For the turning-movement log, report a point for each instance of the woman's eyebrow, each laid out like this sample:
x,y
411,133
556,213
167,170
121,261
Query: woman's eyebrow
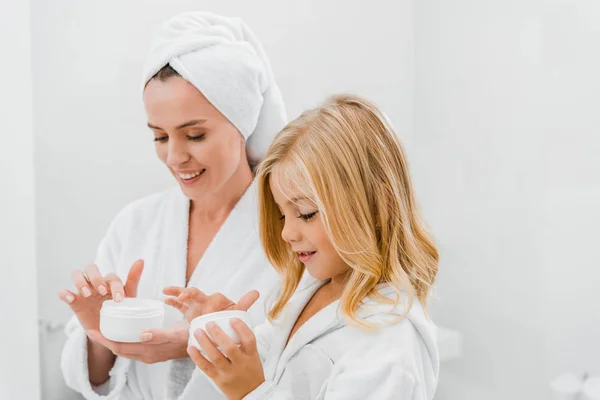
x,y
184,125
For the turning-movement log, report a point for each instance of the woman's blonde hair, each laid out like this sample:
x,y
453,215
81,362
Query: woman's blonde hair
x,y
345,156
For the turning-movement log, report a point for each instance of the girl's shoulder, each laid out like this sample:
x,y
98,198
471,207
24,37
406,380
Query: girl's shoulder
x,y
402,328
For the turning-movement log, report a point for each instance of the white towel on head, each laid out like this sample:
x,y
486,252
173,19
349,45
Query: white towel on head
x,y
222,58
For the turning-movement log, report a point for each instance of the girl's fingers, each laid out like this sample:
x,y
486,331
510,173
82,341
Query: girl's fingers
x,y
82,283
224,342
201,362
214,355
96,279
247,338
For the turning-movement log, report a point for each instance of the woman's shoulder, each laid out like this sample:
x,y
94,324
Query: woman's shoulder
x,y
148,208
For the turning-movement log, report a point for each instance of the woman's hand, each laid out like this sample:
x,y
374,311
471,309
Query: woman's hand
x,y
94,289
236,370
157,345
192,303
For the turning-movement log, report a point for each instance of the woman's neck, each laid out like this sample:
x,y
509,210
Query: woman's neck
x,y
219,204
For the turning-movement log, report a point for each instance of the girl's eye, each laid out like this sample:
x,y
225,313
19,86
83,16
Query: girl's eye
x,y
161,139
308,217
196,138
282,218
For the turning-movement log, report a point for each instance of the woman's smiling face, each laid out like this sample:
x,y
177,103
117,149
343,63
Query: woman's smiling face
x,y
201,148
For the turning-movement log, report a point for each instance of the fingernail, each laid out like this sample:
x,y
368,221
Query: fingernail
x,y
86,292
118,297
144,337
102,290
69,298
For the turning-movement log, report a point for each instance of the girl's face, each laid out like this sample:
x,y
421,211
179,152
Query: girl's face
x,y
305,233
201,148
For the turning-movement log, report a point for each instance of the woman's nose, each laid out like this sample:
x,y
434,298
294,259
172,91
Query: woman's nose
x,y
177,154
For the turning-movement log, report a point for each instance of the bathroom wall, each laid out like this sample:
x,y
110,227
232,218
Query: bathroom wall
x,y
19,376
506,143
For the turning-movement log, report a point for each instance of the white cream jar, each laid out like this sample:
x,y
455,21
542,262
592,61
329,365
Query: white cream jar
x,y
223,320
126,320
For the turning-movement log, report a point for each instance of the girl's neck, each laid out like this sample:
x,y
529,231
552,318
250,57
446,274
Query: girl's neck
x,y
336,284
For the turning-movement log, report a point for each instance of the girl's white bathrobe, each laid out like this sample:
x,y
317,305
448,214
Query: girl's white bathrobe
x,y
331,360
155,229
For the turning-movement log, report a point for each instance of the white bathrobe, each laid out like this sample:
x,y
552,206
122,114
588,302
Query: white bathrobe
x,y
155,229
331,360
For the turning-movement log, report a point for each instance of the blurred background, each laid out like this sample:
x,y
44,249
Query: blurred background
x,y
498,105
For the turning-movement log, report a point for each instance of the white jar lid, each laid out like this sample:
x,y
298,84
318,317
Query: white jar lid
x,y
220,315
131,307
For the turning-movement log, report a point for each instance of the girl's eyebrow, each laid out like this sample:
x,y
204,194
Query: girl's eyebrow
x,y
296,199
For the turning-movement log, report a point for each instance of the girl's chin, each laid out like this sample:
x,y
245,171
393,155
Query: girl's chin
x,y
318,275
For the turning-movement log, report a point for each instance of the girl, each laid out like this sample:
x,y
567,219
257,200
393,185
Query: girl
x,y
336,201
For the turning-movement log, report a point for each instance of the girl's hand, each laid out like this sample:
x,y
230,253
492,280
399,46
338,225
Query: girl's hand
x,y
192,303
236,370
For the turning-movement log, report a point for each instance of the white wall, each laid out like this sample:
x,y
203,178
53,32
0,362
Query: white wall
x,y
506,142
19,376
93,152
571,207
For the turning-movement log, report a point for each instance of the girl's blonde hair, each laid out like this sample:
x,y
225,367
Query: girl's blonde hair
x,y
345,156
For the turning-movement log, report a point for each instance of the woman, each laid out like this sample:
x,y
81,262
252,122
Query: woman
x,y
213,107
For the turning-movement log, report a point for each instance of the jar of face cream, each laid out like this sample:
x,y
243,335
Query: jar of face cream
x,y
126,320
223,320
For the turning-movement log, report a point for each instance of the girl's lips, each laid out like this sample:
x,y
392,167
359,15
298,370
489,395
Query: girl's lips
x,y
306,256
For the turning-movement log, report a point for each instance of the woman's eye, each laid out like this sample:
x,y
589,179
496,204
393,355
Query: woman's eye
x,y
307,217
161,139
196,138
282,218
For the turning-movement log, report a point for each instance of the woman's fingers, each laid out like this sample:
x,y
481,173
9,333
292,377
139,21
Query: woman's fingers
x,y
202,362
96,280
176,303
173,290
192,294
67,296
116,286
247,300
133,278
82,283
